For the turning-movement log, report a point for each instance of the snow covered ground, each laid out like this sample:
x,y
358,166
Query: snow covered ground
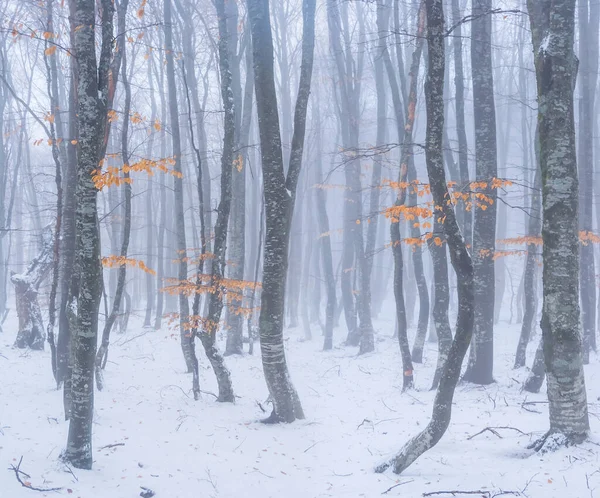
x,y
356,417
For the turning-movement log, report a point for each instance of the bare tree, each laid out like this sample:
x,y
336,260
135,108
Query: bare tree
x,y
461,260
93,97
279,194
552,32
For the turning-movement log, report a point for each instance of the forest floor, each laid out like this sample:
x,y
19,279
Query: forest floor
x,y
148,430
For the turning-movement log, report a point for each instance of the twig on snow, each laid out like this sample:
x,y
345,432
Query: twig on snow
x,y
26,484
111,446
311,446
395,486
480,492
494,430
363,422
390,409
70,471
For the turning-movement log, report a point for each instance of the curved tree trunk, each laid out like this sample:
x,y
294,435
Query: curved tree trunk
x,y
215,299
279,195
441,295
461,261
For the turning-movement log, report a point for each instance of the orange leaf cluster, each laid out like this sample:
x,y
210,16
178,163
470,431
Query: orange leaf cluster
x,y
113,175
118,261
206,284
409,213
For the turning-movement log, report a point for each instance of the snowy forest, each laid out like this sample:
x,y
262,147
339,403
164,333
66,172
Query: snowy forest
x,y
300,248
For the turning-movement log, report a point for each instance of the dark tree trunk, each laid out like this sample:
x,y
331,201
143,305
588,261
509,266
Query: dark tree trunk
x,y
279,194
481,359
215,299
441,301
552,29
93,89
531,273
237,246
179,214
465,217
535,379
102,354
461,261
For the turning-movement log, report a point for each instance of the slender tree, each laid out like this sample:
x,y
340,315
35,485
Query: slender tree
x,y
461,260
481,359
279,195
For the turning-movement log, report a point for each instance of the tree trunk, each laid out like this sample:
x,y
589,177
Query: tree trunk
x,y
237,246
325,237
102,354
530,276
31,327
93,97
441,298
215,299
481,360
179,214
279,195
465,216
461,261
552,29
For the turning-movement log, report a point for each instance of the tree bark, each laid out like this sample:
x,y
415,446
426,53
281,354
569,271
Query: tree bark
x,y
279,195
552,29
461,261
184,307
93,96
530,276
481,359
31,326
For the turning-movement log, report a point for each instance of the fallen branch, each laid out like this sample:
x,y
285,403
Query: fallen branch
x,y
208,392
311,446
395,486
527,403
485,494
494,430
26,484
111,446
480,492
